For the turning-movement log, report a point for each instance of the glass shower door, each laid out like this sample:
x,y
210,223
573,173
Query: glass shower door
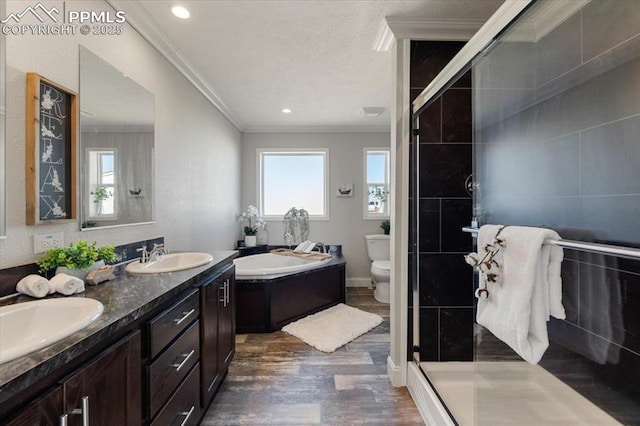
x,y
556,120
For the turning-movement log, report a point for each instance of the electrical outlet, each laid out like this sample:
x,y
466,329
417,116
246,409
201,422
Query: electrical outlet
x,y
44,242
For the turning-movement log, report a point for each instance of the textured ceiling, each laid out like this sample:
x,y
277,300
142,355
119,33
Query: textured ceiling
x,y
313,56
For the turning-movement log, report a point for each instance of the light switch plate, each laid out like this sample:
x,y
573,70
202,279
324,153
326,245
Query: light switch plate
x,y
44,242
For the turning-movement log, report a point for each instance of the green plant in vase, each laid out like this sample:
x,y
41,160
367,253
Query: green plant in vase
x,y
386,226
79,256
254,224
101,193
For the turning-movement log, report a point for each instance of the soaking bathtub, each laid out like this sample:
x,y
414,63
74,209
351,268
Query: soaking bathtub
x,y
271,265
273,290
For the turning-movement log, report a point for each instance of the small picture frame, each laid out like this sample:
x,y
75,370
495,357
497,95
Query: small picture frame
x,y
135,192
51,130
344,190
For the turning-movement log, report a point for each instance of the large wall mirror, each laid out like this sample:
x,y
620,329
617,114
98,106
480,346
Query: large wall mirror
x,y
116,146
3,61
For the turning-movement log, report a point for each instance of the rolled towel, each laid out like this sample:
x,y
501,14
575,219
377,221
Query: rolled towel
x,y
66,284
33,285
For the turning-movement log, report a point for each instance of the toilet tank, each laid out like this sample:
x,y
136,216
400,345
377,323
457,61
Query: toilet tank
x,y
378,247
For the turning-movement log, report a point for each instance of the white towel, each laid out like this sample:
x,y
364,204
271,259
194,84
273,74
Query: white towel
x,y
33,285
518,308
594,301
66,284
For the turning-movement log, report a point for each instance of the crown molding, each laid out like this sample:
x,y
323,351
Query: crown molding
x,y
392,29
385,40
141,21
317,129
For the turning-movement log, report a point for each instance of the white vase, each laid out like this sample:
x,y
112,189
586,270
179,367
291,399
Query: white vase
x,y
79,273
250,240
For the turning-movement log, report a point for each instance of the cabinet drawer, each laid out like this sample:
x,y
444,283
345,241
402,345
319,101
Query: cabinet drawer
x,y
184,407
166,372
166,326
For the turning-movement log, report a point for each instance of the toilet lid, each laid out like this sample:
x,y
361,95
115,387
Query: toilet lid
x,y
384,265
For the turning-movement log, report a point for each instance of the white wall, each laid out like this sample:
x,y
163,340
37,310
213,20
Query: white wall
x,y
346,165
197,151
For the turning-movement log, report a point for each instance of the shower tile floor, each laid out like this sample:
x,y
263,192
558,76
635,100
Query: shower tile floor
x,y
276,379
489,393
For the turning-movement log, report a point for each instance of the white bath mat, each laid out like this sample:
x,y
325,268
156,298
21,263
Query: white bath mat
x,y
334,327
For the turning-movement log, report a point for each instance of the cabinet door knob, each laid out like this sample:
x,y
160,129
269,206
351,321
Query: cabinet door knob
x,y
187,414
186,315
178,366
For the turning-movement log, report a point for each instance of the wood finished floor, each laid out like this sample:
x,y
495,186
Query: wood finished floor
x,y
276,379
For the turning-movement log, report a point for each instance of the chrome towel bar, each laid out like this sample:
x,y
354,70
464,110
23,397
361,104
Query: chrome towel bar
x,y
626,252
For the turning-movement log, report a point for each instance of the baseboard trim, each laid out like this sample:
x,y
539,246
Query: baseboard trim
x,y
395,373
358,282
425,398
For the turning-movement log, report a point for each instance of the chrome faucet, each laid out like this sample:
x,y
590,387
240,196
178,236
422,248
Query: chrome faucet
x,y
321,248
156,252
144,254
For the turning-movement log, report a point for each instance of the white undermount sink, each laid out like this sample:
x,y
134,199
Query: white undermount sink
x,y
27,327
170,262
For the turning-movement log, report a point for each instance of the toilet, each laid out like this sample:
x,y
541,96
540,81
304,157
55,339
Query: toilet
x,y
378,250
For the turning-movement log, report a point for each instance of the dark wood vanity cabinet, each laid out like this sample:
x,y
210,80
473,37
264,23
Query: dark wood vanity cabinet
x,y
41,412
109,386
105,392
227,322
174,345
198,333
165,371
217,338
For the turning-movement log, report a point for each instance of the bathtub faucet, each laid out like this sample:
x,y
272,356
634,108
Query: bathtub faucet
x,y
321,248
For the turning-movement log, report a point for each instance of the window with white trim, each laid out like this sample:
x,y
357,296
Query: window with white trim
x,y
102,184
376,176
293,178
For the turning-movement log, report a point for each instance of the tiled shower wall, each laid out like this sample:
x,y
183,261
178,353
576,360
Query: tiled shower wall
x,y
439,166
558,122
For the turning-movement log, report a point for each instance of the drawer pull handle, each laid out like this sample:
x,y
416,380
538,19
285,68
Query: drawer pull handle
x,y
184,361
187,414
186,315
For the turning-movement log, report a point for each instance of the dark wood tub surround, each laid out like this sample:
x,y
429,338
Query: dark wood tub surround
x,y
265,306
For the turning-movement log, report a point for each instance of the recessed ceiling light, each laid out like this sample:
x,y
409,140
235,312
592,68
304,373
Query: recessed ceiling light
x,y
372,111
286,110
180,12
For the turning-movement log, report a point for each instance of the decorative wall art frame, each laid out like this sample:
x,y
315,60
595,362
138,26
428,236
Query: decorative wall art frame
x,y
51,132
344,190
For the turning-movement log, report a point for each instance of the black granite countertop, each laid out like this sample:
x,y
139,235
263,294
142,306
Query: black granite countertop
x,y
126,298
